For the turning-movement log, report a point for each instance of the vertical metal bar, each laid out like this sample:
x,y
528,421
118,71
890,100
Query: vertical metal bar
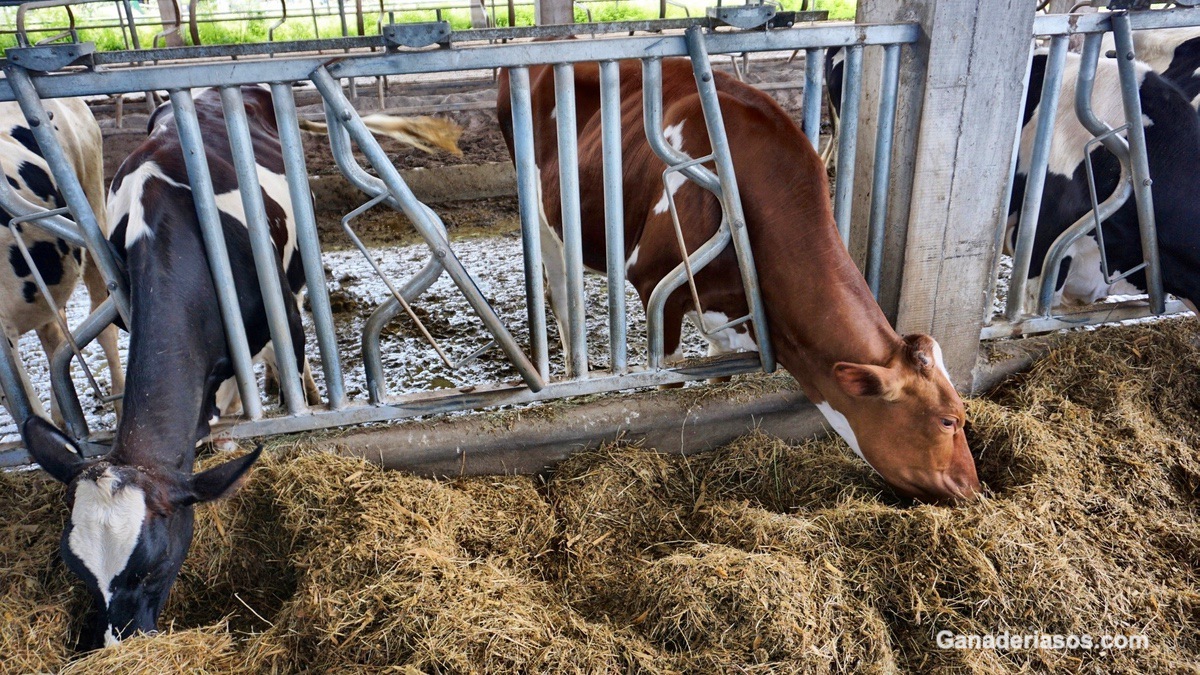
x,y
814,75
383,314
426,225
19,397
1002,225
266,259
307,240
572,235
61,385
731,197
652,116
528,191
214,243
614,212
881,178
68,185
1138,163
1035,181
848,140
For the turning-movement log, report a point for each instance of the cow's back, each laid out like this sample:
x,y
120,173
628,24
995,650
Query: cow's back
x,y
21,306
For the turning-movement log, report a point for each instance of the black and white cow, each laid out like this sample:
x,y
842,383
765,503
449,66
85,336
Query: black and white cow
x,y
1172,133
1173,53
22,307
131,511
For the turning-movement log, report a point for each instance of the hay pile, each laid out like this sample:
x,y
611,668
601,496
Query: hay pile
x,y
759,557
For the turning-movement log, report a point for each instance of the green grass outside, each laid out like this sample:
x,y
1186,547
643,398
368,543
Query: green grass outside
x,y
301,28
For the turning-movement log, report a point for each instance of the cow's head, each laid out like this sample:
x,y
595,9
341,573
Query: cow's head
x,y
906,420
129,530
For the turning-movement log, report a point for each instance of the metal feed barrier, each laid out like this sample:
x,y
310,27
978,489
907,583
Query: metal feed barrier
x,y
42,72
1135,179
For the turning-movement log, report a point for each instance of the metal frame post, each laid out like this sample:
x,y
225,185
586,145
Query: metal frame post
x,y
266,258
530,204
213,233
572,229
307,241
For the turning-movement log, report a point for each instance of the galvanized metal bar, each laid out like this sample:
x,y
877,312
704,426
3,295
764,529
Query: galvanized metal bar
x,y
443,401
194,157
1071,317
1057,252
530,204
881,172
814,75
572,229
731,197
1062,244
652,115
419,216
1073,24
19,397
184,75
1139,164
843,193
266,258
68,185
706,253
307,240
1035,180
614,212
373,329
61,385
19,207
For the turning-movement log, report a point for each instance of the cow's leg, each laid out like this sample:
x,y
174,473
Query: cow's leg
x,y
51,337
97,290
1190,305
554,263
311,394
672,339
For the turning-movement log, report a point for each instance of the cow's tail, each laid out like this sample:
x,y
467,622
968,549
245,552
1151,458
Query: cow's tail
x,y
421,132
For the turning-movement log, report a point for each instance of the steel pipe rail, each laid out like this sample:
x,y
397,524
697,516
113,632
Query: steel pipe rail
x,y
229,73
307,241
213,234
529,187
572,227
1035,181
418,214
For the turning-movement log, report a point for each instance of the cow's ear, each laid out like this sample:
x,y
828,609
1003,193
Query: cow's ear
x,y
863,380
220,481
57,454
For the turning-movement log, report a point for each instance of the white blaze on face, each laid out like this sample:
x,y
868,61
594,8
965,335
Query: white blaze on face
x,y
675,179
937,361
105,525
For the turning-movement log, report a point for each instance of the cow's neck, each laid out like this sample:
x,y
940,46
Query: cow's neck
x,y
168,373
819,307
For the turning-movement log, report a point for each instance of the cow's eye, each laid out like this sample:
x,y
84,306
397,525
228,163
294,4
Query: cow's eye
x,y
949,423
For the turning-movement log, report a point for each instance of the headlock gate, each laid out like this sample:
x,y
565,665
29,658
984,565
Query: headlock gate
x,y
60,70
36,73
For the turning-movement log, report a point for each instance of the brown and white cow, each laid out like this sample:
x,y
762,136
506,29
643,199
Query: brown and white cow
x,y
61,264
888,396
